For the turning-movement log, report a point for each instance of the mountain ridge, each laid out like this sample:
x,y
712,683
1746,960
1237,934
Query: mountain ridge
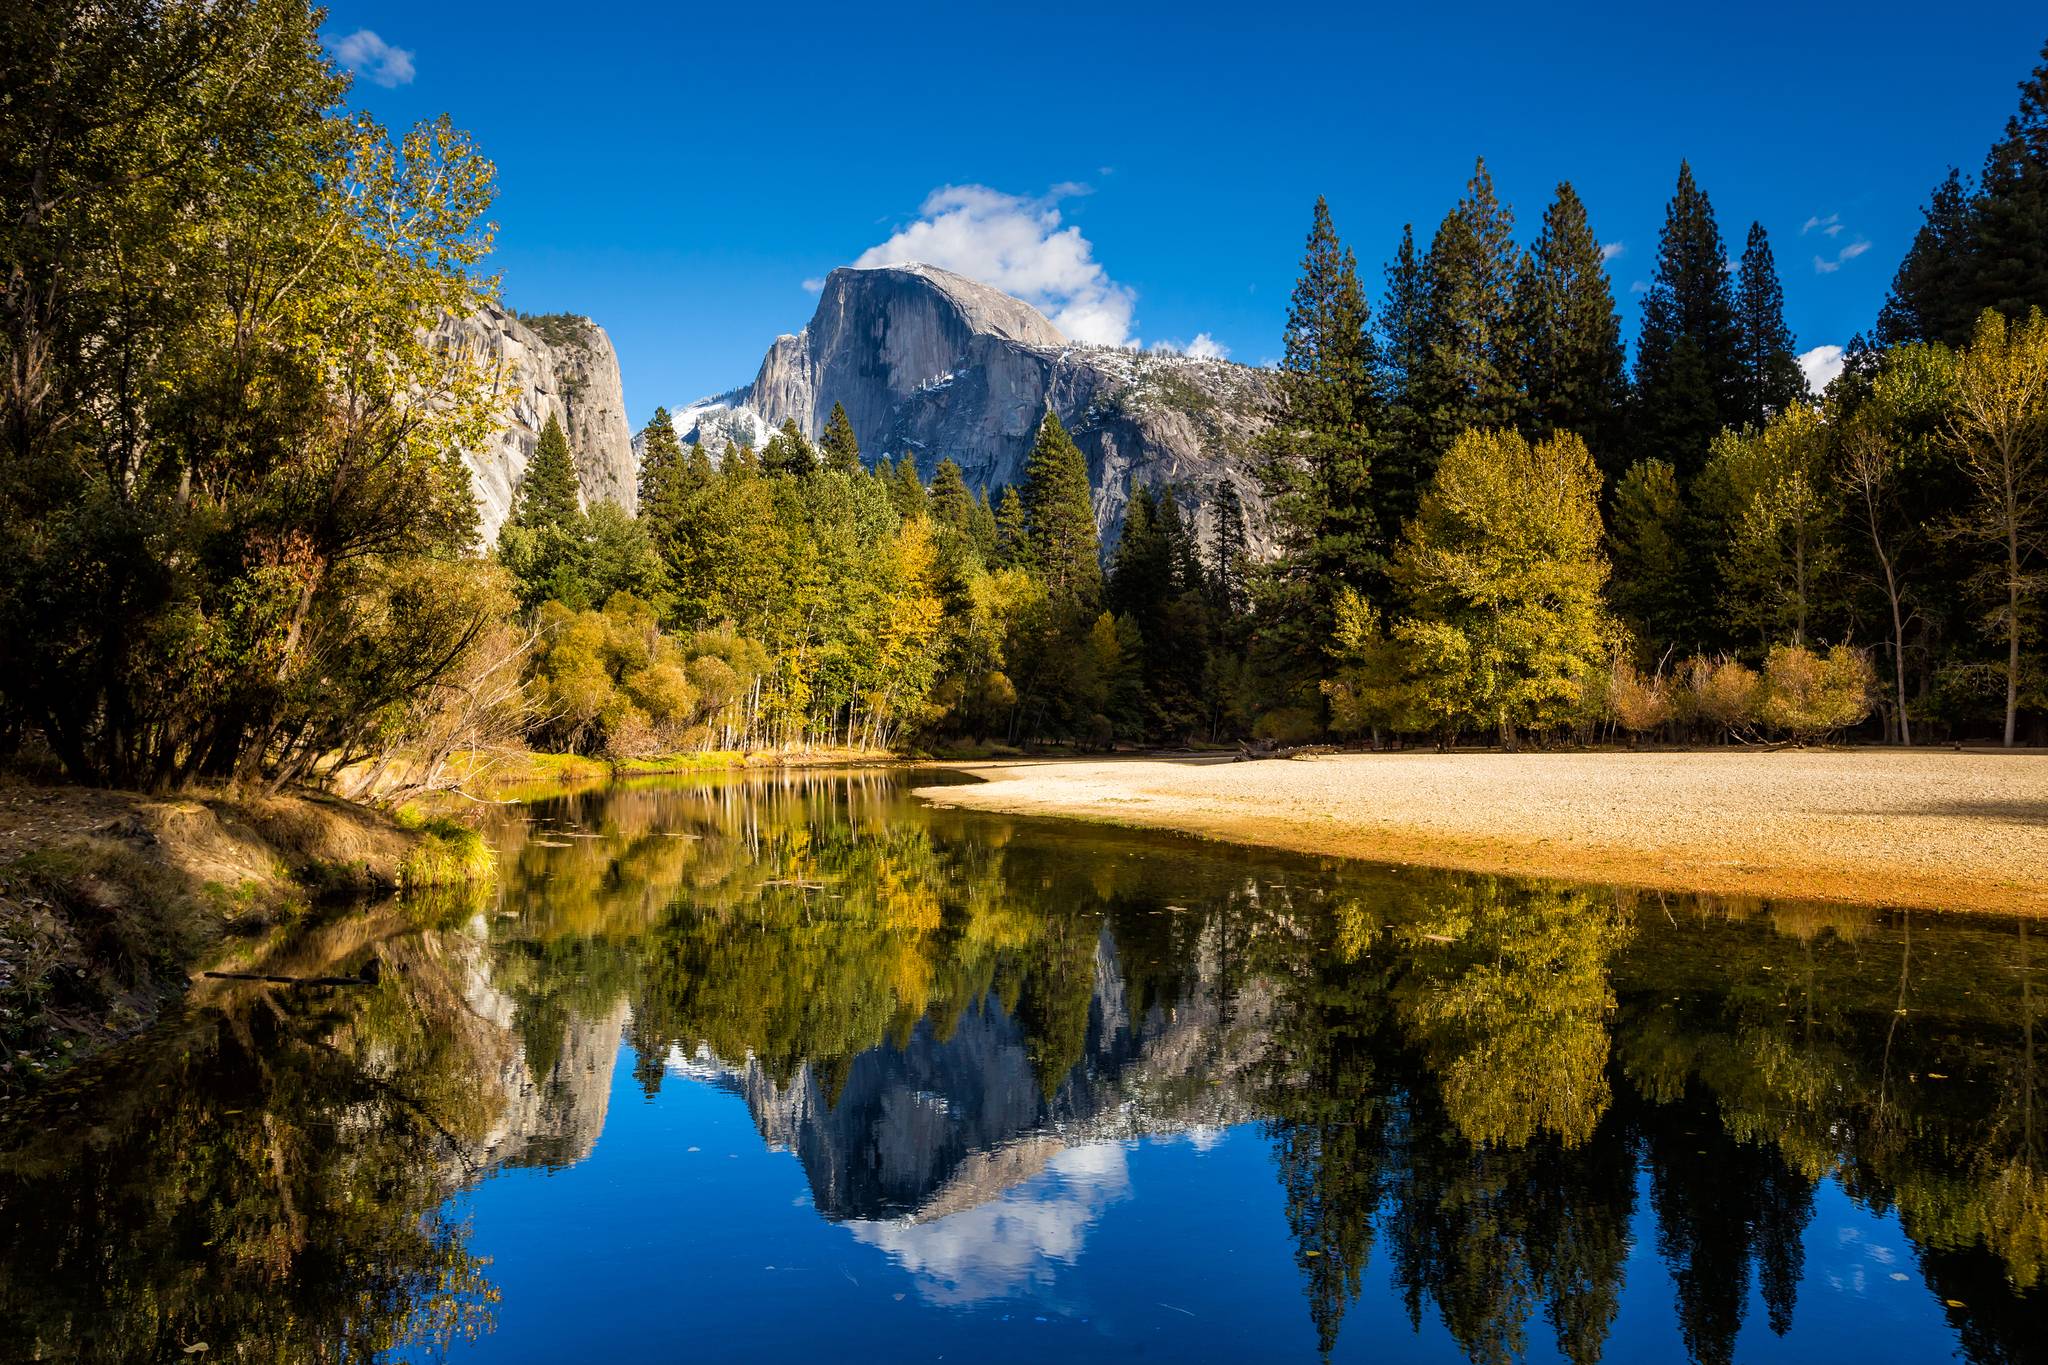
x,y
934,365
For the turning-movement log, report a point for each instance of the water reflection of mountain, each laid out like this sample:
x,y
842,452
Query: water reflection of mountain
x,y
1509,1101
958,1114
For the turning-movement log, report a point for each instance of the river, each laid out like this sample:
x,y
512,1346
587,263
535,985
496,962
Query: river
x,y
793,1067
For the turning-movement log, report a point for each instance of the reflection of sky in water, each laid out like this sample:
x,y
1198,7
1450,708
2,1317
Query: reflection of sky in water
x,y
1018,1239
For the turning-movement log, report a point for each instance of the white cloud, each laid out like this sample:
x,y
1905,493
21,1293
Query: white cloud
x,y
814,284
1639,287
1203,347
364,53
1825,265
1016,244
1014,1242
1821,365
1612,251
1830,226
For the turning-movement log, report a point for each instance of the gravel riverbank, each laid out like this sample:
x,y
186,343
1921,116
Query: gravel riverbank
x,y
1940,829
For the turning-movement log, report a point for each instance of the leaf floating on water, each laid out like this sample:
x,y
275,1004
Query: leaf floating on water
x,y
196,1348
1439,938
1955,1303
551,843
1936,1076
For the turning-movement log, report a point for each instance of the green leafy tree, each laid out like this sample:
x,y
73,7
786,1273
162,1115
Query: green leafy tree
x,y
1771,378
1771,495
1503,569
840,450
1647,540
1573,363
1999,429
229,432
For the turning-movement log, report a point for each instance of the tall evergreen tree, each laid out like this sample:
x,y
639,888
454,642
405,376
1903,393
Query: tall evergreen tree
x,y
1574,364
1771,378
548,493
1688,360
1403,462
2011,219
788,452
664,474
840,450
1059,513
1930,298
1471,361
1229,551
1981,249
1320,450
1012,535
951,505
906,490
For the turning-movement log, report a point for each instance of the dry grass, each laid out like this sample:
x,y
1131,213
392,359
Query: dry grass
x,y
1926,828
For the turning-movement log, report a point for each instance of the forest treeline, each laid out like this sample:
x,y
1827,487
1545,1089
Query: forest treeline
x,y
244,547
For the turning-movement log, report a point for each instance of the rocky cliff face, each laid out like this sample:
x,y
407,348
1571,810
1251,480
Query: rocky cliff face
x,y
557,364
934,365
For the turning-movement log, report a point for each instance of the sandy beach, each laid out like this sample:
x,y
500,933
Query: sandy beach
x,y
1938,829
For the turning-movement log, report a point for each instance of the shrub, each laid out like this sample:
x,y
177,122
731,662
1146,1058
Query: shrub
x,y
1638,704
1720,695
1808,696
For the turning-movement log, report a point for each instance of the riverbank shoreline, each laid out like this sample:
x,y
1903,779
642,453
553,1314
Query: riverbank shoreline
x,y
111,900
1932,829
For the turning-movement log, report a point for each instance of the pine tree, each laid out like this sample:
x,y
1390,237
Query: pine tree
x,y
1574,364
1012,535
981,526
1319,453
1229,552
1059,510
664,474
952,506
1771,378
788,452
1688,366
2011,218
1930,298
1471,362
548,493
1404,461
906,490
840,450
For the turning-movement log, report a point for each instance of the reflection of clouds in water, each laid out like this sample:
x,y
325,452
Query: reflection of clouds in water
x,y
1014,1240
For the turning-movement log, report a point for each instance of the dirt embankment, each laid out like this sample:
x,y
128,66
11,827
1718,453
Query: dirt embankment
x,y
109,899
1936,829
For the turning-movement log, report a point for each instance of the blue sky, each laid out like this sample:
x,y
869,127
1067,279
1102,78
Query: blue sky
x,y
679,172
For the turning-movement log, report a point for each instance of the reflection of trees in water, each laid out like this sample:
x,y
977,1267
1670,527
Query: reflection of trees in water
x,y
1464,1074
269,1181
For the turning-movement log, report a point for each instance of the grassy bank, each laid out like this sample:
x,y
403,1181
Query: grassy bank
x,y
110,900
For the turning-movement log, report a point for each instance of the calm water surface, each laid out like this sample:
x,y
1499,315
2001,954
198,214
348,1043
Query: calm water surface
x,y
796,1069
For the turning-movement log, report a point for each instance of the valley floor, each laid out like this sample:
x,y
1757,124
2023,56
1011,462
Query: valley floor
x,y
1937,829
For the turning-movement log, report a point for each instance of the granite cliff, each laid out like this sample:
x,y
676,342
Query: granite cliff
x,y
934,365
560,364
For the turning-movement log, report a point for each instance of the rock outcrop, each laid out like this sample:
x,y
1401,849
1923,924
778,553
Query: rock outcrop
x,y
560,364
934,365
